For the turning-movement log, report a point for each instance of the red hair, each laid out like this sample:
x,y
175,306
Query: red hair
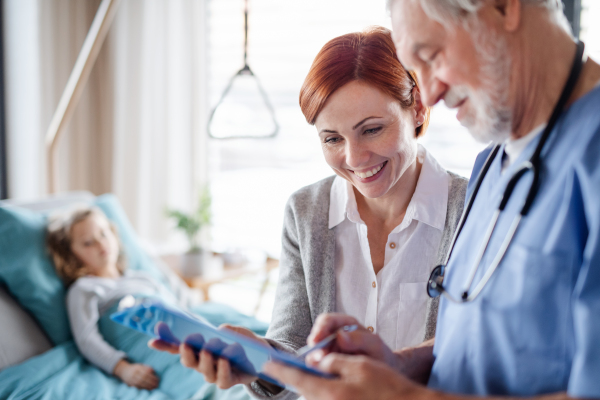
x,y
368,56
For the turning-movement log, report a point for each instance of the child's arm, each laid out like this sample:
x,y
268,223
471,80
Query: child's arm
x,y
83,316
138,375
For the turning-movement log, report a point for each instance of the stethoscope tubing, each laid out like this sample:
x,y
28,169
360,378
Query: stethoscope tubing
x,y
534,164
499,256
482,250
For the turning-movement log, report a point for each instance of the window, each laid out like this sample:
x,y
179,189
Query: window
x,y
590,30
251,179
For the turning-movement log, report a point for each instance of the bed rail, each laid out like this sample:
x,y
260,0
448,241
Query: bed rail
x,y
76,83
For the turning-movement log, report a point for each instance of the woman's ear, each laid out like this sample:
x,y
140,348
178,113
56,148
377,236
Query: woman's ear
x,y
419,109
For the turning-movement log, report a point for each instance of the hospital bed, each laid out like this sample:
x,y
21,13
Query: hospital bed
x,y
38,358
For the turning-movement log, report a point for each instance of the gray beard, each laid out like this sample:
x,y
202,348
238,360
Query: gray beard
x,y
492,121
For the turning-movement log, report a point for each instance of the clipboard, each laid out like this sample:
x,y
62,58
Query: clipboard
x,y
166,322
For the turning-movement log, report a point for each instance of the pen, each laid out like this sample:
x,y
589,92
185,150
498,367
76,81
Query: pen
x,y
302,352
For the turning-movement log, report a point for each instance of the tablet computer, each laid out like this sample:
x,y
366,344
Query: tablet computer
x,y
173,325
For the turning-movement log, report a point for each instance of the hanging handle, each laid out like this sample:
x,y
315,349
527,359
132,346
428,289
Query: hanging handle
x,y
246,36
245,71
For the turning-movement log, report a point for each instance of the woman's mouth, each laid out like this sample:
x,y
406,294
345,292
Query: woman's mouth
x,y
371,174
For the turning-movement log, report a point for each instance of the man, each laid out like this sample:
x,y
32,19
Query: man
x,y
533,328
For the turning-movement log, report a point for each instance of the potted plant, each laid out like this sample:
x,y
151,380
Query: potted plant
x,y
191,224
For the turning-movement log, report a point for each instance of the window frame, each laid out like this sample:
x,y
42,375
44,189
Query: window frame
x,y
572,10
3,152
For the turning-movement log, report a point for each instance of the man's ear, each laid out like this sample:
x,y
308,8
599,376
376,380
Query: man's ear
x,y
510,12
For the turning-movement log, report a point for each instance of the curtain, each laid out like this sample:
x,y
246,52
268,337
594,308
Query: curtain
x,y
139,128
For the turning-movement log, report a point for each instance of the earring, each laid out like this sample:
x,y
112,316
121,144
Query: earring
x,y
419,123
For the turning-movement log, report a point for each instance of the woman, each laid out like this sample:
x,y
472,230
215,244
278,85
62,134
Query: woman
x,y
364,241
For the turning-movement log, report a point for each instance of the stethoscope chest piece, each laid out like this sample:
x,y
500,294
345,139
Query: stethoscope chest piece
x,y
435,284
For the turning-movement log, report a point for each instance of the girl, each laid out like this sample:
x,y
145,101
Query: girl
x,y
88,257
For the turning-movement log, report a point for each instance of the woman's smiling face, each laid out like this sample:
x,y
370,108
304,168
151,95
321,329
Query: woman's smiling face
x,y
367,137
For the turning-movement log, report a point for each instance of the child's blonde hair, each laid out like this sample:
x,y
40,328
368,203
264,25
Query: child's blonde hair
x,y
58,241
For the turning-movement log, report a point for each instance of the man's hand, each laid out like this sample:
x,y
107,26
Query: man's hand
x,y
416,362
360,377
138,375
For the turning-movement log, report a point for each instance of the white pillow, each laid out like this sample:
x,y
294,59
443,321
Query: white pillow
x,y
20,336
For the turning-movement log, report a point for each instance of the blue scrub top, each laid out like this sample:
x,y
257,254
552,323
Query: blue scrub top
x,y
535,327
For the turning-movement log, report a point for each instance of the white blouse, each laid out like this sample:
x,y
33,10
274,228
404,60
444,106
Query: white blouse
x,y
392,303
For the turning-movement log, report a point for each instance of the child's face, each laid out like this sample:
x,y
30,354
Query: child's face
x,y
95,245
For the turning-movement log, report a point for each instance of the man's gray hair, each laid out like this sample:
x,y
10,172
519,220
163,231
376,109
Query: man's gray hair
x,y
448,12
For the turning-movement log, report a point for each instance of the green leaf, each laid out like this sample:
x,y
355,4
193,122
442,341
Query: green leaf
x,y
192,223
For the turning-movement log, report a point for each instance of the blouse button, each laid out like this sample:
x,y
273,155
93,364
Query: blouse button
x,y
374,284
370,329
392,245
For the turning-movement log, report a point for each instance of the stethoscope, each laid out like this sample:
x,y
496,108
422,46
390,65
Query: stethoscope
x,y
435,285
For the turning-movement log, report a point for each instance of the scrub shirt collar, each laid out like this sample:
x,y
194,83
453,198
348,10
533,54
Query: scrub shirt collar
x,y
514,147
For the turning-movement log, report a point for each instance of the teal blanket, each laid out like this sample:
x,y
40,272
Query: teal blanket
x,y
62,373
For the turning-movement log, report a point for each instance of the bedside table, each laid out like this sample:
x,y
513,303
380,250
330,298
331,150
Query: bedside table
x,y
217,272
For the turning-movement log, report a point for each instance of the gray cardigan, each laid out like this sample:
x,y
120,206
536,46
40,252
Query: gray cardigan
x,y
306,286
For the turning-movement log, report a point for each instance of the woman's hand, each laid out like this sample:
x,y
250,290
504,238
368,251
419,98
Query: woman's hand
x,y
215,369
360,341
138,375
218,370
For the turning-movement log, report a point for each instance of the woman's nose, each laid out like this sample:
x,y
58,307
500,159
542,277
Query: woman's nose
x,y
356,154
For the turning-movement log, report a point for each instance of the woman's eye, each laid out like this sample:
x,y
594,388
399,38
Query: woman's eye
x,y
372,130
331,140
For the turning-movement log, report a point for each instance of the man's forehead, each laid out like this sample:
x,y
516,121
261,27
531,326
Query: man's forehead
x,y
412,28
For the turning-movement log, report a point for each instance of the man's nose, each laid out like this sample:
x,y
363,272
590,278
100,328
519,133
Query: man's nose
x,y
432,90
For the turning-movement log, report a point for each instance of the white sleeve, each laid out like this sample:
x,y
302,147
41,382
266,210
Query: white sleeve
x,y
83,316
